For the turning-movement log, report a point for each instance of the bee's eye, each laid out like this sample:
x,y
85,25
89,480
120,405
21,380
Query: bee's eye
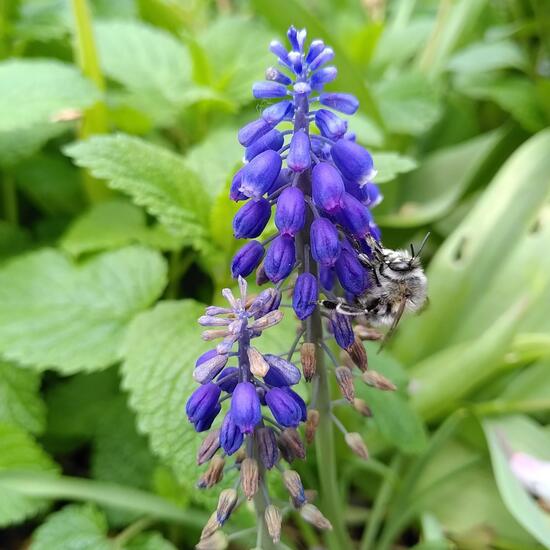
x,y
400,265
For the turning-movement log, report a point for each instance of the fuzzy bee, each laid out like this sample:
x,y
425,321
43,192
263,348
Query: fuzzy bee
x,y
398,284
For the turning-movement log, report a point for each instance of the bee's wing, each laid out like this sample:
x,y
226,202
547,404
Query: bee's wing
x,y
398,316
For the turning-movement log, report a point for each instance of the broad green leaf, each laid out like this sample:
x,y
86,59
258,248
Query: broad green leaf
x,y
408,103
155,178
161,348
463,269
32,91
153,65
56,314
488,56
76,526
43,20
388,165
13,240
114,224
532,383
367,132
149,541
20,452
20,402
520,434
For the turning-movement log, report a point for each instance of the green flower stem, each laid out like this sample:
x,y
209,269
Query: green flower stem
x,y
131,531
94,119
106,494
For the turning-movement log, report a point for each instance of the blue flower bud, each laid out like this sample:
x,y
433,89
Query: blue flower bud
x,y
267,447
208,366
299,155
290,214
246,259
325,244
260,174
354,216
283,407
279,50
252,131
272,73
228,379
330,125
352,275
251,219
281,372
345,103
231,438
315,48
296,61
273,140
326,55
305,295
282,179
342,330
327,277
277,112
322,77
371,195
268,90
245,407
327,187
299,401
292,35
280,258
353,161
375,231
234,193
202,402
205,423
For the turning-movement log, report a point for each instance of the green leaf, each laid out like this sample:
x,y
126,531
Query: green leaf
x,y
408,103
55,314
76,526
114,224
389,165
20,452
160,350
34,91
149,541
521,434
155,178
481,57
20,402
13,240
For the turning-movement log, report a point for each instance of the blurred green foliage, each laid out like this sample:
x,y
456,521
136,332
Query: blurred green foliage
x,y
118,126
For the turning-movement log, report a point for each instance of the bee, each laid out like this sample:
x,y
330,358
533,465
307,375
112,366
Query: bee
x,y
398,284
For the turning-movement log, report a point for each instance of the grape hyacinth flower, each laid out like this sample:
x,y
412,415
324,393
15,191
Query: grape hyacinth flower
x,y
318,183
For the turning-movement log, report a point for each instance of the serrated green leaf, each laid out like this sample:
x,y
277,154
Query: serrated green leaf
x,y
155,178
20,402
20,452
55,314
487,56
114,224
81,527
160,350
34,91
388,165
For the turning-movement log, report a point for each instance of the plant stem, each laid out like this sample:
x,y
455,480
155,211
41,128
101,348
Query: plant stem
x,y
9,195
131,531
94,119
107,494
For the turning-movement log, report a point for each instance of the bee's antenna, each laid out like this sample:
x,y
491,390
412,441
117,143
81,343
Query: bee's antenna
x,y
422,244
412,250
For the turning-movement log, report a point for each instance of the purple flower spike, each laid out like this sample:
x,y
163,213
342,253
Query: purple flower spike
x,y
305,295
352,275
315,48
345,103
342,330
267,447
327,187
272,73
322,77
280,258
325,244
260,174
299,401
283,179
228,379
252,131
281,370
283,407
202,402
277,112
245,407
291,211
251,219
354,216
330,125
326,55
327,277
268,90
371,195
234,193
279,50
353,161
208,366
299,156
273,140
231,438
205,423
247,259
